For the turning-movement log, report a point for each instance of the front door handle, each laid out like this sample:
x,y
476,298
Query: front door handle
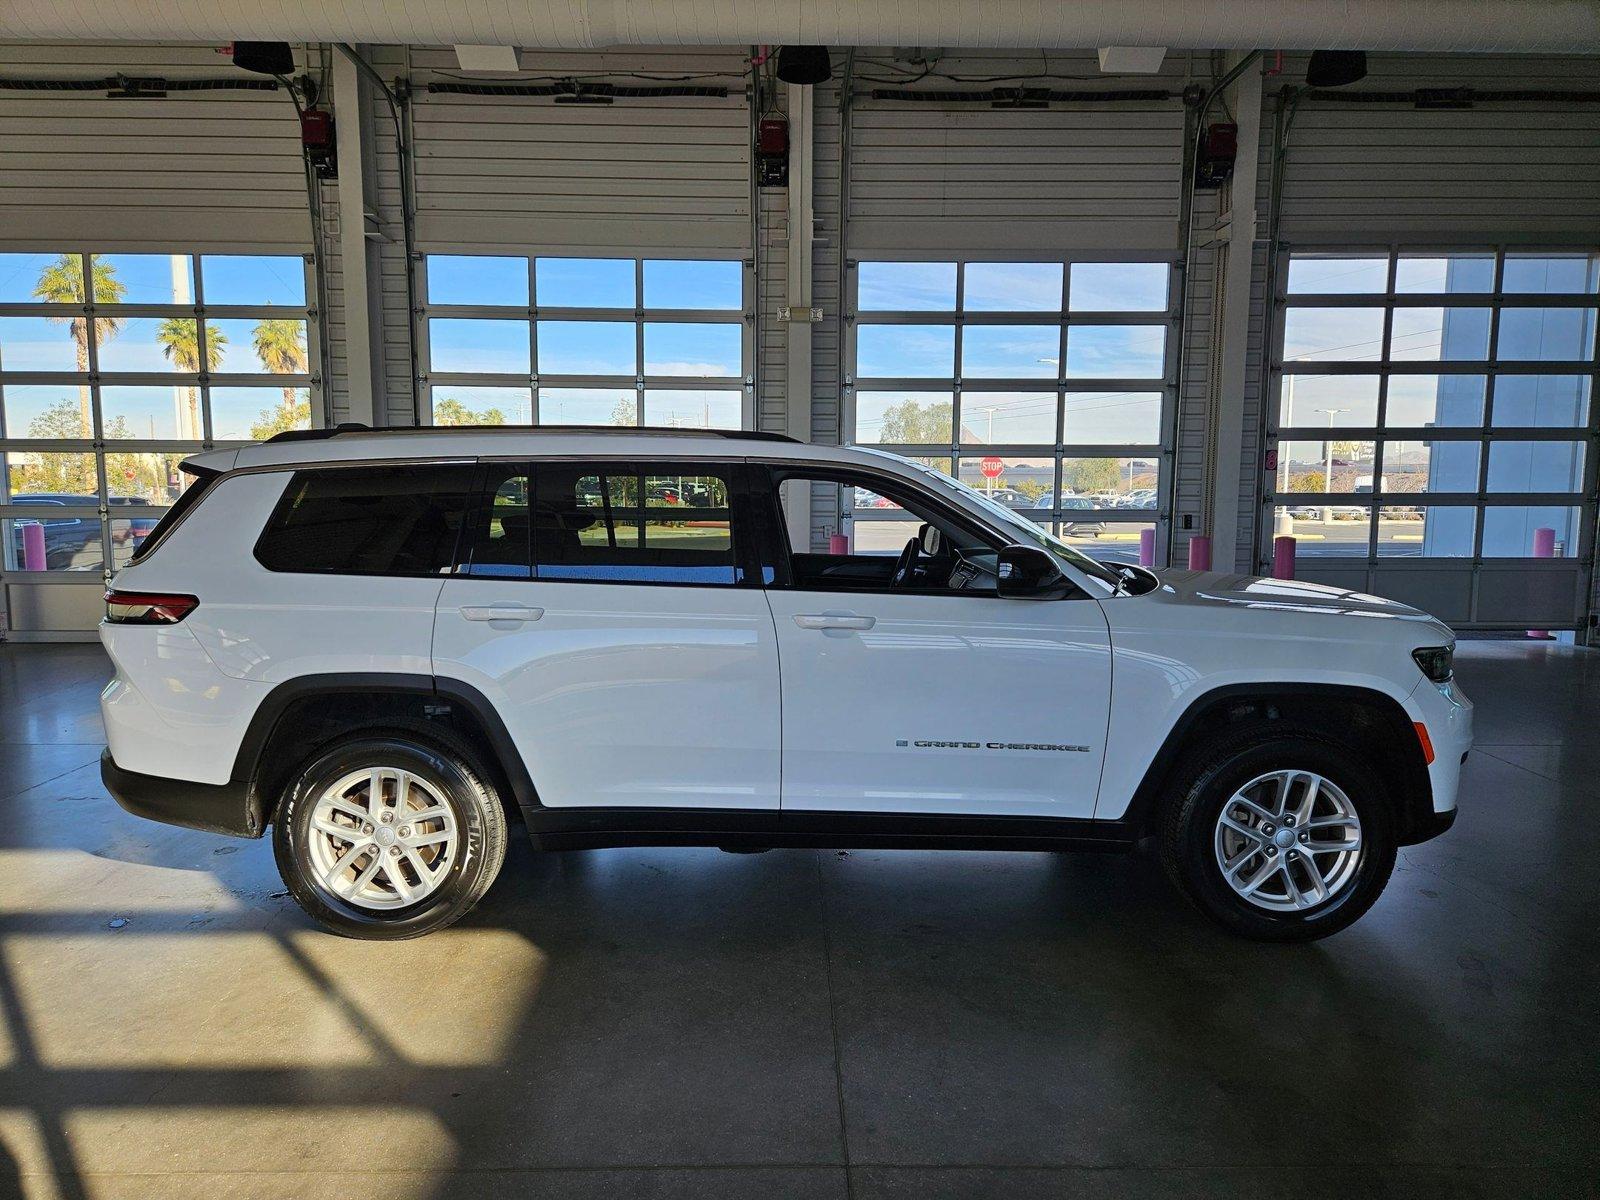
x,y
834,621
500,612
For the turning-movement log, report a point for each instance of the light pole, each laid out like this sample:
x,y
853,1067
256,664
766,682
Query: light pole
x,y
1327,470
988,440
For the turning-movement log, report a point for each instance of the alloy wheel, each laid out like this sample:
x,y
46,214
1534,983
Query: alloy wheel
x,y
1288,841
380,838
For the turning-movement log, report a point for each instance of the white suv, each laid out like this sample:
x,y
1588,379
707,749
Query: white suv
x,y
382,645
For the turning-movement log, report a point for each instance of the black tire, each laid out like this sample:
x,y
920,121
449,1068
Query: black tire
x,y
447,764
1210,779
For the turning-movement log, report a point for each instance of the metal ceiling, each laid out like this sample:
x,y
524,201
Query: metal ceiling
x,y
1472,26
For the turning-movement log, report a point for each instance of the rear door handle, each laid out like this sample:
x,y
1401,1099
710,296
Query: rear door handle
x,y
500,612
834,621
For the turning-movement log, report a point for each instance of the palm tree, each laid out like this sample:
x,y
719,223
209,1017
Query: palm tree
x,y
180,345
62,283
280,344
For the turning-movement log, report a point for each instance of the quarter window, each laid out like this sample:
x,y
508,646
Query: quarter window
x,y
400,520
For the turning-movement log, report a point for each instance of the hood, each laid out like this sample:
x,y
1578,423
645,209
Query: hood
x,y
1283,595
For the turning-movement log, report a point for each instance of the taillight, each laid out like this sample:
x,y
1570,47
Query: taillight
x,y
148,608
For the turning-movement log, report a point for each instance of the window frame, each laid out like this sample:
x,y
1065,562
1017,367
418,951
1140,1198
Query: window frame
x,y
638,316
1060,450
1484,433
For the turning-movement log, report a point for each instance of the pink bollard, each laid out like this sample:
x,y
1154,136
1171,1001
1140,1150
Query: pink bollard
x,y
1283,557
1147,547
1200,553
838,543
1544,546
33,556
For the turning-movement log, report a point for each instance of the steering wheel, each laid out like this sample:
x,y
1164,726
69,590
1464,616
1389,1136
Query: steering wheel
x,y
905,566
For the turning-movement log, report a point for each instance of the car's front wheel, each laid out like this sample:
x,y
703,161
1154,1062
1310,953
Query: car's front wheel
x,y
1281,835
389,834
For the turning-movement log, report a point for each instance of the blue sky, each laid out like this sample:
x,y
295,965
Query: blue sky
x,y
581,406
906,286
585,282
255,279
1428,334
1120,287
1465,273
36,344
1011,351
1116,351
585,347
1011,287
235,409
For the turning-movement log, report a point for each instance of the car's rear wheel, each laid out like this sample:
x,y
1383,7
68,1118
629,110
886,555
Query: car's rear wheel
x,y
389,834
1281,835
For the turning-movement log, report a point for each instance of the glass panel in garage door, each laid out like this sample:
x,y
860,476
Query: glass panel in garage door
x,y
1479,445
1049,385
611,341
114,367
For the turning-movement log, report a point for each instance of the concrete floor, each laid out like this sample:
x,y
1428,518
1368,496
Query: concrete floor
x,y
666,1023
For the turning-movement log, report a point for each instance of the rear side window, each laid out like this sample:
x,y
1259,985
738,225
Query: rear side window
x,y
614,524
399,520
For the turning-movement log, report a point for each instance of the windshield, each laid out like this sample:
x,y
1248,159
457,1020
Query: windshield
x,y
1027,532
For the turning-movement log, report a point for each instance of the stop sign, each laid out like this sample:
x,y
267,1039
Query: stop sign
x,y
991,468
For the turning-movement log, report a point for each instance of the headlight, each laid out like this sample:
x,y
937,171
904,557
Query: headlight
x,y
1437,662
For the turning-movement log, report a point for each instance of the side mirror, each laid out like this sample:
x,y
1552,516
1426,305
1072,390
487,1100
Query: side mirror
x,y
1028,573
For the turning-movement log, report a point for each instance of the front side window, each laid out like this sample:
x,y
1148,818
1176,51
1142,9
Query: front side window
x,y
393,520
616,523
909,543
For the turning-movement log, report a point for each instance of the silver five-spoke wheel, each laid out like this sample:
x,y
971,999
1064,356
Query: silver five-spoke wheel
x,y
1288,840
380,838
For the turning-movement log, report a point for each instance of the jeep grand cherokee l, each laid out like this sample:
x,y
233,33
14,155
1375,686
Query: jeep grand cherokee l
x,y
382,645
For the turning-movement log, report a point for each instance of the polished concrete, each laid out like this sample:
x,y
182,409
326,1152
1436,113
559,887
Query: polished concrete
x,y
666,1023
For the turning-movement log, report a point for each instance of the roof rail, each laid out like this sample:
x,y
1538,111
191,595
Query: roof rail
x,y
318,435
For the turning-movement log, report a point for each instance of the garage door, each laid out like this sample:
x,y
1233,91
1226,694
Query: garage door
x,y
1434,427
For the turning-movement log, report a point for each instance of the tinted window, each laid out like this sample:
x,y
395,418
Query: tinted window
x,y
604,524
400,520
496,545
